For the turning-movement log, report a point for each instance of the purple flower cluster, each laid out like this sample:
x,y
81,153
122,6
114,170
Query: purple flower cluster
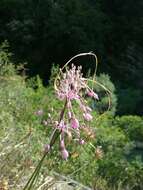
x,y
72,86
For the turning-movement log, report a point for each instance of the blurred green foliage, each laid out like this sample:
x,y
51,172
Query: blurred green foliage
x,y
102,105
47,32
129,100
23,135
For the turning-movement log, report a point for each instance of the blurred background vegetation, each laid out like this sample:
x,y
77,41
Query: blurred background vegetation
x,y
47,32
23,134
42,36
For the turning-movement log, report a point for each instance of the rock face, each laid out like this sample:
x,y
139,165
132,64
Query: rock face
x,y
59,182
61,186
54,184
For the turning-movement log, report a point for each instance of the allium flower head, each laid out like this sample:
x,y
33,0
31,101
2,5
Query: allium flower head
x,y
70,87
70,84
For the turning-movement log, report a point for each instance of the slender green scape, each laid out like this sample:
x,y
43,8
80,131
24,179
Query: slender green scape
x,y
55,135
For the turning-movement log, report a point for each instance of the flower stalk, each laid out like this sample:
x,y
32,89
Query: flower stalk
x,y
54,137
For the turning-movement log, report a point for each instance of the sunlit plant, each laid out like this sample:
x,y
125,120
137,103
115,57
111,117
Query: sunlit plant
x,y
72,89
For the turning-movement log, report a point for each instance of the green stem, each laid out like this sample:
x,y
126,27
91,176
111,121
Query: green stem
x,y
56,134
33,176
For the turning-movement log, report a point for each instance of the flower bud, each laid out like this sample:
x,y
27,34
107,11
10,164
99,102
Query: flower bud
x,y
69,104
64,154
82,107
87,116
47,148
61,125
45,123
81,141
88,108
74,123
62,145
69,115
92,94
